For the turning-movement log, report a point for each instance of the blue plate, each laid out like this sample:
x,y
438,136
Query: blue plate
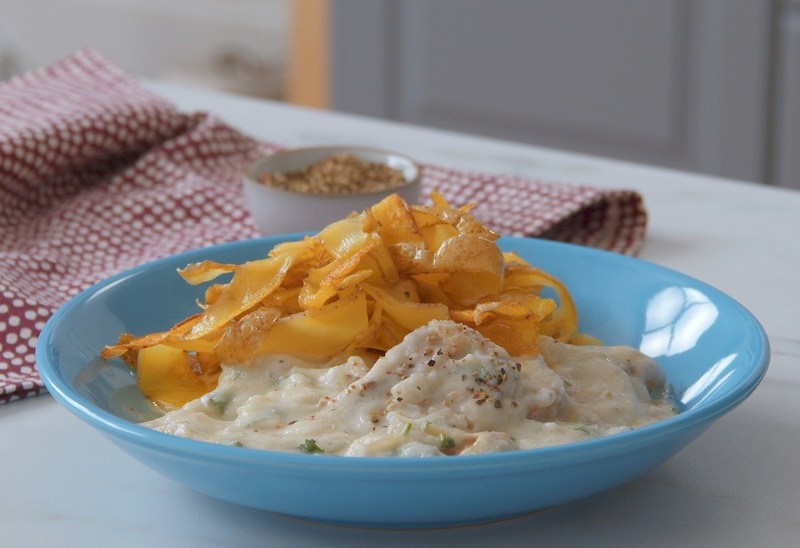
x,y
713,351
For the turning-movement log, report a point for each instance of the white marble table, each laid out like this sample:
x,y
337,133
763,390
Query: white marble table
x,y
63,484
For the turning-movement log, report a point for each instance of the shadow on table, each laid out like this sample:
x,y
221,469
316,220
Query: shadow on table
x,y
642,512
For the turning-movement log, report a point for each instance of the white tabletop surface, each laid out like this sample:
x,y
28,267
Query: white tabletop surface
x,y
737,485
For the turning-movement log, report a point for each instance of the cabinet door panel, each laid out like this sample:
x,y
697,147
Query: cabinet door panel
x,y
545,70
786,136
675,82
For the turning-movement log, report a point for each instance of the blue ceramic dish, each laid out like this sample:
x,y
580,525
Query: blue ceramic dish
x,y
713,351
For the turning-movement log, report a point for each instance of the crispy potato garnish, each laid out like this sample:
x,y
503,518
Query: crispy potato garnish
x,y
359,286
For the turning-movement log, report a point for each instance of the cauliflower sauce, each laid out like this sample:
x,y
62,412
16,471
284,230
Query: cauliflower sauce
x,y
445,390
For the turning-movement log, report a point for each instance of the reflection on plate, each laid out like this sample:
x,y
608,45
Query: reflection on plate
x,y
713,352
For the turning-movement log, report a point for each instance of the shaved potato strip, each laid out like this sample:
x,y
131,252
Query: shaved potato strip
x,y
128,343
437,233
204,271
166,376
357,287
319,335
395,222
321,284
245,337
430,286
251,283
469,253
562,324
341,237
439,201
406,313
518,337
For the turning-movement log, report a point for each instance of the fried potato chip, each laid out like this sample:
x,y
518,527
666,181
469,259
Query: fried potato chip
x,y
342,237
252,282
129,343
562,323
518,337
319,335
469,253
165,375
358,286
285,299
321,284
412,258
245,337
204,271
394,221
212,292
407,314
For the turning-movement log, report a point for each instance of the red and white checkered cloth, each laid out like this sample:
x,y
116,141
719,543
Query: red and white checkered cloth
x,y
98,175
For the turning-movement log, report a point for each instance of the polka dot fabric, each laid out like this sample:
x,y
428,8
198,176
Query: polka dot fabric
x,y
613,220
98,175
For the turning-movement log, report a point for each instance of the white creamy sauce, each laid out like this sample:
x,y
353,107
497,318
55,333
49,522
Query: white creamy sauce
x,y
444,390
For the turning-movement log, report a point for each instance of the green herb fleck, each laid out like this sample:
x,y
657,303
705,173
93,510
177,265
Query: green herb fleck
x,y
219,404
310,446
583,428
237,444
426,426
407,429
446,442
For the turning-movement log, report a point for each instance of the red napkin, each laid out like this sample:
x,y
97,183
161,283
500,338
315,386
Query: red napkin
x,y
98,175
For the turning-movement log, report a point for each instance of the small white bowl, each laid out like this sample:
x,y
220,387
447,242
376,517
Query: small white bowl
x,y
277,211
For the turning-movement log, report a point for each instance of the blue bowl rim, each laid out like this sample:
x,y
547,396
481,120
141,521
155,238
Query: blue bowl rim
x,y
544,457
